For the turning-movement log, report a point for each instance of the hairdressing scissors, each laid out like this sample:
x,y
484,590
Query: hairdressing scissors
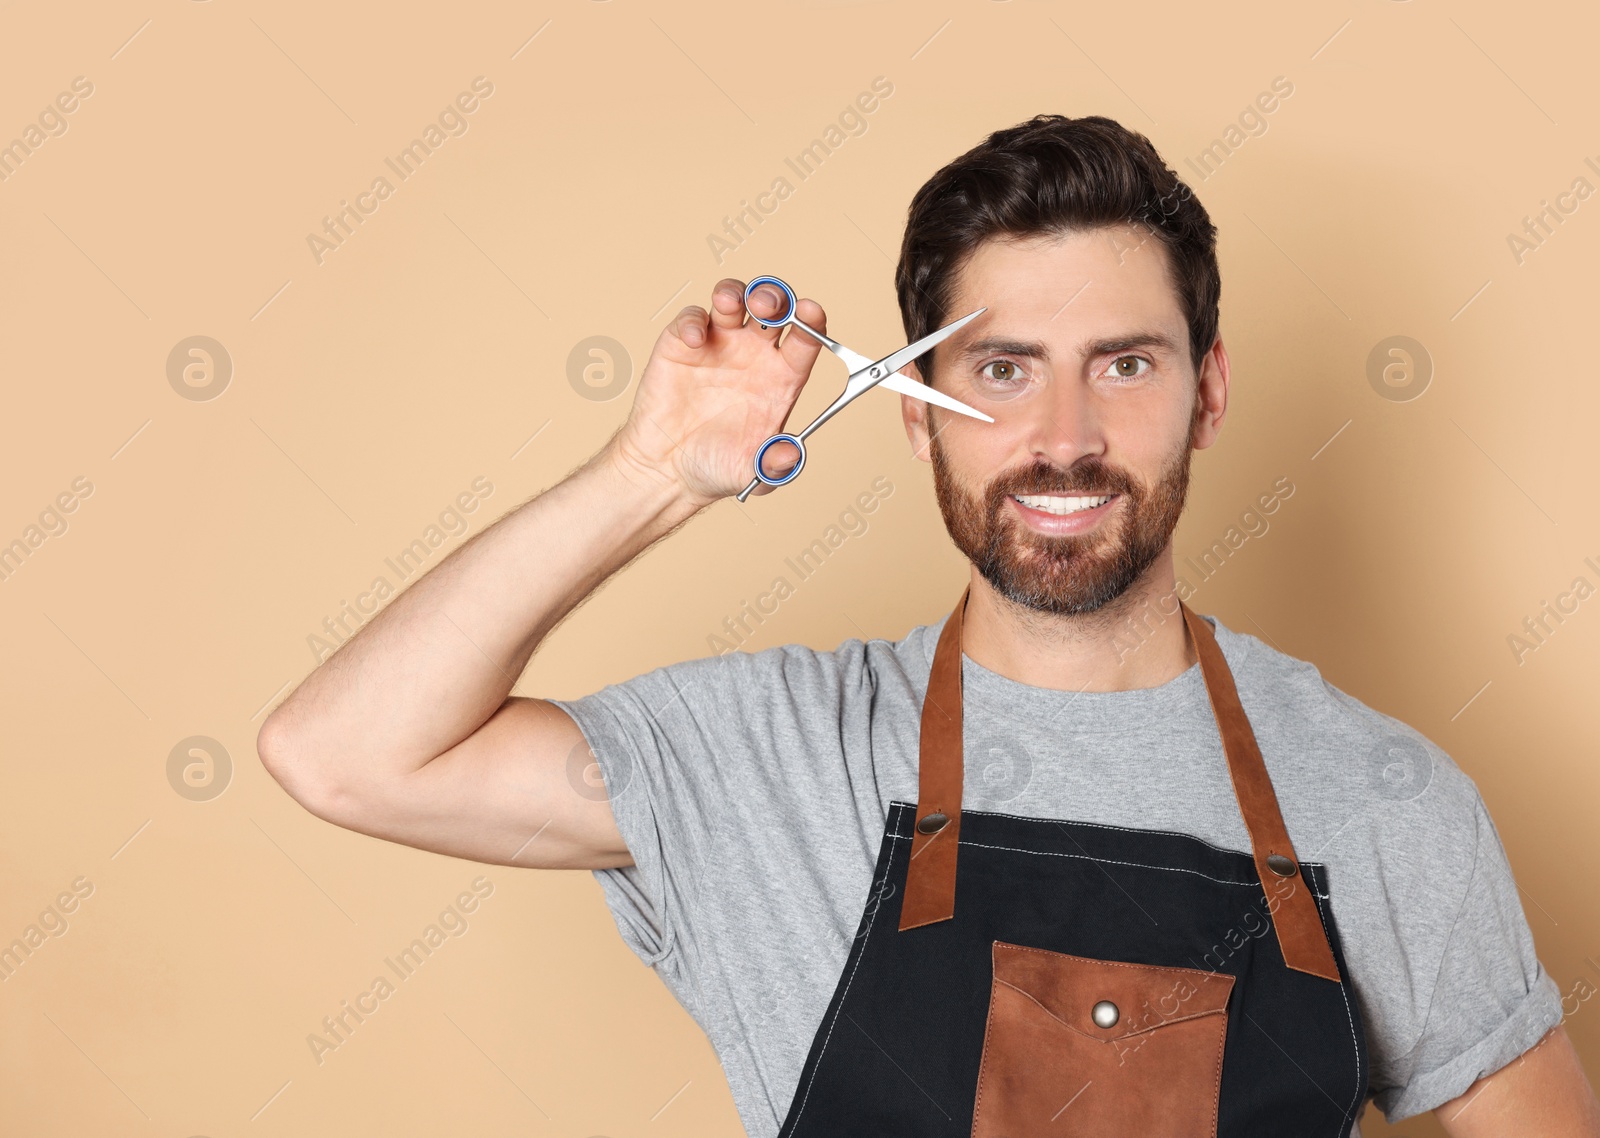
x,y
864,374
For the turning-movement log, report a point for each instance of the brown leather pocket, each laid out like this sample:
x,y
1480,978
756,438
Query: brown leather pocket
x,y
1151,1069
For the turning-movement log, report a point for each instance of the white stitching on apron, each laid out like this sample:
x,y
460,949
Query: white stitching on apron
x,y
876,909
1110,861
1346,996
1099,826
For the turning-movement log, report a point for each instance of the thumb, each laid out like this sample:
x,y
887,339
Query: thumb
x,y
799,349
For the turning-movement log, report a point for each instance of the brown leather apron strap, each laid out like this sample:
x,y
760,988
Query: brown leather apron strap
x,y
931,877
1294,911
930,890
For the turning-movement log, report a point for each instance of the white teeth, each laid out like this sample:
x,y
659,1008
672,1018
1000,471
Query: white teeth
x,y
1052,504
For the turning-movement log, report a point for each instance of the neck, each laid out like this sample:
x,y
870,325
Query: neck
x,y
1135,641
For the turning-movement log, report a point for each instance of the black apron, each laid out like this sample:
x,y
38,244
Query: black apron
x,y
1095,980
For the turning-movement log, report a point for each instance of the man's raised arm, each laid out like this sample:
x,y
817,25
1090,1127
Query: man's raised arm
x,y
406,732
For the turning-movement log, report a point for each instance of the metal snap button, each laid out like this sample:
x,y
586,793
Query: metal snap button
x,y
932,823
1281,865
1105,1014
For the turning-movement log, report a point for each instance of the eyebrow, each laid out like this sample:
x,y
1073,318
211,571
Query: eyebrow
x,y
1038,350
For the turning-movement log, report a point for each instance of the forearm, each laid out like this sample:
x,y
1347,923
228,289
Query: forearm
x,y
437,662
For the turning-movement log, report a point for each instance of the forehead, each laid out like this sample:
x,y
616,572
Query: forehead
x,y
1093,281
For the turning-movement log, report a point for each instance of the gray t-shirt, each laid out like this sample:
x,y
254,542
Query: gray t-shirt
x,y
751,790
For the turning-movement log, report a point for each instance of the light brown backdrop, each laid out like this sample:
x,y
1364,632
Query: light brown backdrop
x,y
214,530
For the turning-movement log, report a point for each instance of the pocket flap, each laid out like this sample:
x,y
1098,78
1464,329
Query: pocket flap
x,y
1145,996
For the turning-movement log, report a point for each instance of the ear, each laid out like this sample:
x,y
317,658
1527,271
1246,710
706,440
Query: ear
x,y
1211,395
914,413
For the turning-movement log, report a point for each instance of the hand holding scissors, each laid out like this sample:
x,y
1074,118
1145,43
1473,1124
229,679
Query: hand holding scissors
x,y
865,373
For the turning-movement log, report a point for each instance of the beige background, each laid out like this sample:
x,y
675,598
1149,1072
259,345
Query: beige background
x,y
371,389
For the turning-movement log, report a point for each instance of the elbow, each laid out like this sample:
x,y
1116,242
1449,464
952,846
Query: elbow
x,y
293,765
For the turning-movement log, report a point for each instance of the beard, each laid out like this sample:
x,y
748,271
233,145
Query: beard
x,y
1067,574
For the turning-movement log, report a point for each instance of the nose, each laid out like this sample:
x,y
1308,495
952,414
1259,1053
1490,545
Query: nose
x,y
1062,424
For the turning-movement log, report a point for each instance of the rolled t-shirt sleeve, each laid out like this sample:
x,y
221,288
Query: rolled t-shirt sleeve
x,y
1492,999
657,757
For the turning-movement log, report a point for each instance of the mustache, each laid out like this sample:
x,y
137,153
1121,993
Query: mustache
x,y
1087,476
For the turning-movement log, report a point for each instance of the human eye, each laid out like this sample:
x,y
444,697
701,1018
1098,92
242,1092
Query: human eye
x,y
1003,373
1125,368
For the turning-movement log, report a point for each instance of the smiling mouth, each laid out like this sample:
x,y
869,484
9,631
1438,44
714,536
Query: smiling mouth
x,y
1059,505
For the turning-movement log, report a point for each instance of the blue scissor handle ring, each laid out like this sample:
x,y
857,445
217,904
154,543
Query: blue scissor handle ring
x,y
761,475
788,313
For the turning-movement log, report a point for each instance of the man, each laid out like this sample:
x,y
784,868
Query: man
x,y
1137,946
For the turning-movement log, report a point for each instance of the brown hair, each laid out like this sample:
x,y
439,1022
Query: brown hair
x,y
1052,175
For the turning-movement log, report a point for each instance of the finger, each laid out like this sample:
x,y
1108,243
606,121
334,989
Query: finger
x,y
727,304
779,459
768,303
799,350
690,326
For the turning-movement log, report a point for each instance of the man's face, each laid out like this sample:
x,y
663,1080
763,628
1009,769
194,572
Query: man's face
x,y
1082,358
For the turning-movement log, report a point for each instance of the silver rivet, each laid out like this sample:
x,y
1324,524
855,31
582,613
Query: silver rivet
x,y
1280,865
932,823
1105,1014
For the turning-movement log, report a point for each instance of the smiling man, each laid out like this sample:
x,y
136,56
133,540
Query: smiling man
x,y
1004,875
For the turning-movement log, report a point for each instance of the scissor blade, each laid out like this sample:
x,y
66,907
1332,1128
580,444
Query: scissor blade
x,y
905,385
905,355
